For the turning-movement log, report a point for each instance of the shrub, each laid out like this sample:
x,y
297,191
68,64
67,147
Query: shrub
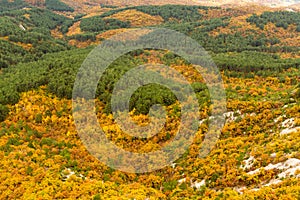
x,y
3,112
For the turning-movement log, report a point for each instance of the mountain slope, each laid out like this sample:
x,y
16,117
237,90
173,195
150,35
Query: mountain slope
x,y
256,50
273,3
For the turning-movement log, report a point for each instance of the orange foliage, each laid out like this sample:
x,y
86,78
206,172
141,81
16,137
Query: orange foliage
x,y
93,11
288,37
91,3
56,33
84,44
137,18
43,170
25,46
110,33
236,24
124,34
27,16
74,29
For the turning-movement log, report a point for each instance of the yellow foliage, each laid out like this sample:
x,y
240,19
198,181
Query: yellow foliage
x,y
39,142
56,33
74,29
137,18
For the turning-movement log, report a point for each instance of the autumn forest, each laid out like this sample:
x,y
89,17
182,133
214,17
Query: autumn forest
x,y
256,50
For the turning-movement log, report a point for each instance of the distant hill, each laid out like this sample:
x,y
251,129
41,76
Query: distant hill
x,y
91,5
272,3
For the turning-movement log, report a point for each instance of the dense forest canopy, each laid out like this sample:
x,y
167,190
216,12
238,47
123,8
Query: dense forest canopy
x,y
33,26
97,24
57,5
6,5
280,19
167,12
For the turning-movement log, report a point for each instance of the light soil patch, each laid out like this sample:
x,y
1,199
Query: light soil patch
x,y
287,168
288,131
248,163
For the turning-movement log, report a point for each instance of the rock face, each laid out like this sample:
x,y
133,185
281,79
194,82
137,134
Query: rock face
x,y
289,127
248,163
289,131
288,168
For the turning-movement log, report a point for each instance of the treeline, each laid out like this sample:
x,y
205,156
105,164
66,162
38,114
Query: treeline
x,y
8,26
33,31
45,18
178,12
58,72
248,54
6,5
102,5
203,26
11,54
40,44
97,24
143,98
222,42
83,37
250,61
57,5
212,24
37,17
237,42
181,13
280,19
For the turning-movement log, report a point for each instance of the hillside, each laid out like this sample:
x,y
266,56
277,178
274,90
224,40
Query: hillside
x,y
80,4
271,3
256,50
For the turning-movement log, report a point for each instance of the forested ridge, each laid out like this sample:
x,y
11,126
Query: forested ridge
x,y
258,55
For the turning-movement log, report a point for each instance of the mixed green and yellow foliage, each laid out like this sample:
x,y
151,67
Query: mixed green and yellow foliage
x,y
42,157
